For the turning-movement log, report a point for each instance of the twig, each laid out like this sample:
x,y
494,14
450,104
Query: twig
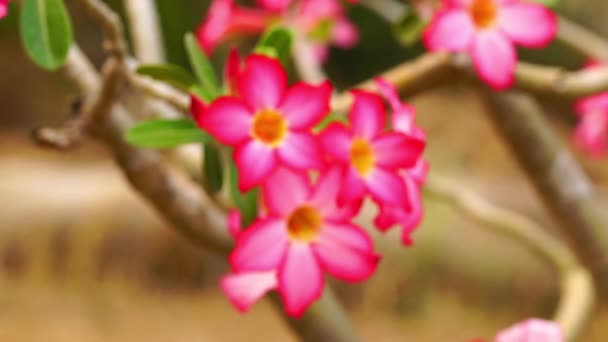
x,y
145,30
577,291
109,21
582,40
561,182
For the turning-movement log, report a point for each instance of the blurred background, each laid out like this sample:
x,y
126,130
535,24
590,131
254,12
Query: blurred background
x,y
83,258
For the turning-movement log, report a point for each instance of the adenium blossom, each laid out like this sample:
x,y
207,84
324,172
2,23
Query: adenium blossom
x,y
409,214
269,124
321,22
303,234
3,8
371,156
591,133
488,31
532,330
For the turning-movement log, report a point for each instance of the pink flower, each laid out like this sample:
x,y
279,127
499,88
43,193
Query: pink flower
x,y
409,214
225,19
4,8
488,31
322,22
591,133
372,157
532,330
304,234
269,124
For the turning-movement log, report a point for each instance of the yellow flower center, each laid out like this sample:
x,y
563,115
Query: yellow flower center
x,y
269,126
304,224
483,13
362,156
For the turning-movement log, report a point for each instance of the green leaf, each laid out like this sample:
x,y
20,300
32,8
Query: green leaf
x,y
246,203
165,133
46,32
328,119
279,39
202,67
409,28
170,73
213,169
548,3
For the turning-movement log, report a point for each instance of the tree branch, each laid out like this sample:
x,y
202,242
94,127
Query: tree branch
x,y
145,30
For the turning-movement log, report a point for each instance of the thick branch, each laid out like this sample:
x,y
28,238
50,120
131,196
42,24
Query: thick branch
x,y
582,40
145,30
556,175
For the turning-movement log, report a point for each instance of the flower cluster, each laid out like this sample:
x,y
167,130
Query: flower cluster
x,y
488,31
313,183
592,131
320,22
4,8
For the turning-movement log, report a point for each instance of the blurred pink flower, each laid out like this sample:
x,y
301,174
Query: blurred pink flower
x,y
268,123
323,22
4,8
409,214
303,234
371,156
591,134
532,330
488,31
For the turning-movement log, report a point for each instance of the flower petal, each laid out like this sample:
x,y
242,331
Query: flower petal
x,y
494,58
261,247
285,190
346,252
300,279
244,289
450,30
387,187
336,142
263,82
305,105
233,221
530,25
274,5
345,34
227,119
397,150
255,163
301,151
325,193
367,115
532,330
353,188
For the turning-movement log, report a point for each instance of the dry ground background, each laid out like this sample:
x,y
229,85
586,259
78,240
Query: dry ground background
x,y
82,258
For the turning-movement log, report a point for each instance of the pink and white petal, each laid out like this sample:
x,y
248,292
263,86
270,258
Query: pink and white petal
x,y
528,24
255,163
346,252
336,142
325,193
346,212
457,3
234,223
345,33
197,108
216,24
494,58
367,115
591,134
396,150
450,30
300,279
244,289
232,70
403,119
274,5
263,82
389,92
227,119
387,187
388,216
261,247
305,105
532,330
419,172
353,188
301,151
284,191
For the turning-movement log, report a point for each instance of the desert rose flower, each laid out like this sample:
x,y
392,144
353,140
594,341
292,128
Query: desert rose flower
x,y
591,134
488,31
269,124
409,214
321,22
371,156
532,330
3,8
303,234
